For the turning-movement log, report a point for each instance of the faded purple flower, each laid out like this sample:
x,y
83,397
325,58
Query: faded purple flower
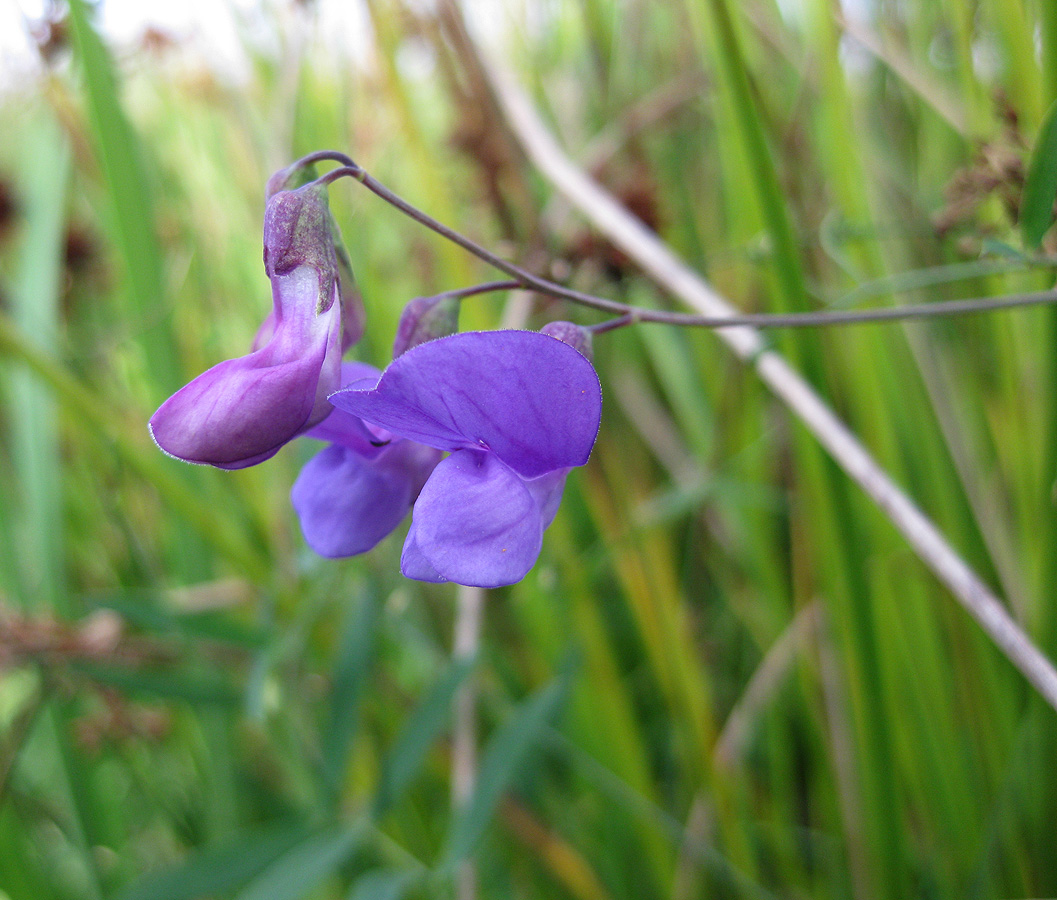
x,y
516,410
243,410
355,491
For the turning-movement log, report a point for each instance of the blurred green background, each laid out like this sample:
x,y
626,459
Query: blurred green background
x,y
727,676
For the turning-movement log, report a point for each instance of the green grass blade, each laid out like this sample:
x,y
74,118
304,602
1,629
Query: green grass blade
x,y
1048,33
194,689
131,207
216,870
1040,186
35,310
418,735
504,758
726,45
383,884
351,671
304,866
36,456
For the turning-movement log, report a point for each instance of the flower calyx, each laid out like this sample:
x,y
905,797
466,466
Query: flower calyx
x,y
576,336
426,319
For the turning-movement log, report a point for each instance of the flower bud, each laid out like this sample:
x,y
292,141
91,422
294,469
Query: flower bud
x,y
297,233
576,336
292,178
424,319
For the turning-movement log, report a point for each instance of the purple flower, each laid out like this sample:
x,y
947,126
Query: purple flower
x,y
355,491
516,410
243,410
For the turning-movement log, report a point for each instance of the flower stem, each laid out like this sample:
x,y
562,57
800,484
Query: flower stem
x,y
627,314
483,288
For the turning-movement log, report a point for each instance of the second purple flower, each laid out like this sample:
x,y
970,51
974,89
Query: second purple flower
x,y
516,410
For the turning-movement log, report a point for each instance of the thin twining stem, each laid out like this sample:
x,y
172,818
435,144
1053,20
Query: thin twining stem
x,y
629,315
524,278
485,287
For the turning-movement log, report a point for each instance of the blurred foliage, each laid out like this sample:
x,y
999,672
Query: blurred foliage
x,y
727,676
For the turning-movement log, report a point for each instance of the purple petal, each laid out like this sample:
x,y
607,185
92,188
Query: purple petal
x,y
475,522
547,492
299,331
413,564
530,399
242,411
347,504
265,333
352,314
348,430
